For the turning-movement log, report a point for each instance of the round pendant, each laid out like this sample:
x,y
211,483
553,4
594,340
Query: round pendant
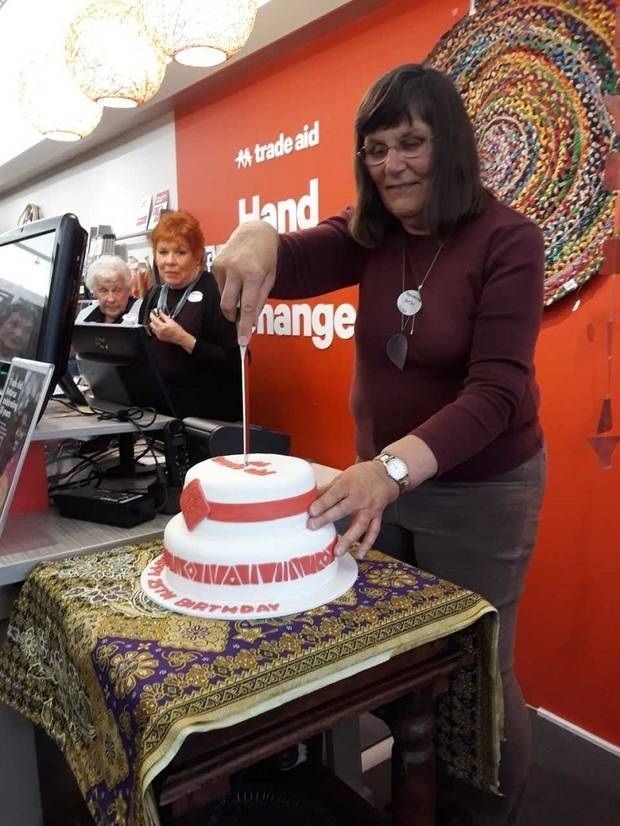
x,y
409,302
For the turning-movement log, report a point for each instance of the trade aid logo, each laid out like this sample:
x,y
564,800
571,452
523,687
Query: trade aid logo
x,y
282,145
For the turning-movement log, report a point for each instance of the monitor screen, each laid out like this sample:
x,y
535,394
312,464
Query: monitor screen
x,y
118,364
40,269
25,275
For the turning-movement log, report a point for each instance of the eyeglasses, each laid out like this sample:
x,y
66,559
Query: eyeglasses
x,y
377,153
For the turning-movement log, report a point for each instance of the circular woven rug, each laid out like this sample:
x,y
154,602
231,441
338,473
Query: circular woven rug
x,y
534,76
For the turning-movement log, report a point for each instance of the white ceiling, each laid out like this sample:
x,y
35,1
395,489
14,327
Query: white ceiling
x,y
24,156
22,40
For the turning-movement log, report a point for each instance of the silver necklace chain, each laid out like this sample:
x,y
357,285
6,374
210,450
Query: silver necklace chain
x,y
415,295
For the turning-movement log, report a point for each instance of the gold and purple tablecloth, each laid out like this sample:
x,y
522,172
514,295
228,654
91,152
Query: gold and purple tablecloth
x,y
119,683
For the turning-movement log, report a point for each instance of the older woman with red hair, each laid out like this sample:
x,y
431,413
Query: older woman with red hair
x,y
195,346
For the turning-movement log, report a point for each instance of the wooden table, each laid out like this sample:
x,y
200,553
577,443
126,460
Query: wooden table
x,y
405,688
409,683
393,641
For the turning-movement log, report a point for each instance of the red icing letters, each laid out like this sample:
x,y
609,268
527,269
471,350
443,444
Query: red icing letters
x,y
244,574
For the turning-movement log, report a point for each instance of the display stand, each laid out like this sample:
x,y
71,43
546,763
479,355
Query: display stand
x,y
23,397
31,492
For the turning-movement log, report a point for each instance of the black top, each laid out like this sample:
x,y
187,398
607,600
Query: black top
x,y
206,382
98,317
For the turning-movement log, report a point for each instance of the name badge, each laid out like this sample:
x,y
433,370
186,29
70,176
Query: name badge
x,y
195,297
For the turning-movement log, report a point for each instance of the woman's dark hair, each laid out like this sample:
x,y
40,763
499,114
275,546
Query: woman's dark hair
x,y
456,191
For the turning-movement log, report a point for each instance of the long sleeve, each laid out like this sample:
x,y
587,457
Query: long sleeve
x,y
499,372
317,260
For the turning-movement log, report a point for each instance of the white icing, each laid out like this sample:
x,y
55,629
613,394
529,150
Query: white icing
x,y
290,477
229,543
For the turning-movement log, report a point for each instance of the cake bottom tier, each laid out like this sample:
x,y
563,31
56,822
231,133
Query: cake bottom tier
x,y
185,595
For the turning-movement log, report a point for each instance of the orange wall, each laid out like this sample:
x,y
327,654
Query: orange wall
x,y
569,631
568,639
321,82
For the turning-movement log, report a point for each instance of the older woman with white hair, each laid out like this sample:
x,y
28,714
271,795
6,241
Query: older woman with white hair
x,y
109,279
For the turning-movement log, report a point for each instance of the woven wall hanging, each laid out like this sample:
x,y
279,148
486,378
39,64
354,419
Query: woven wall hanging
x,y
534,77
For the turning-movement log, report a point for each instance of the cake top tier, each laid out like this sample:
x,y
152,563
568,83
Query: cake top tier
x,y
267,477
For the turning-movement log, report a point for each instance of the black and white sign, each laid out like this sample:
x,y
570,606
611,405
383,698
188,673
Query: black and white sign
x,y
23,395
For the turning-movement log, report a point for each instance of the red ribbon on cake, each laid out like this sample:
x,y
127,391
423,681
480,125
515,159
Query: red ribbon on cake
x,y
253,573
195,507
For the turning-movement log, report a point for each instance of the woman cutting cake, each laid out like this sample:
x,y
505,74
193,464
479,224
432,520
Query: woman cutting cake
x,y
195,346
444,396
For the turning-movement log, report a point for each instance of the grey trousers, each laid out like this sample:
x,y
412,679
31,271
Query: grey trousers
x,y
480,535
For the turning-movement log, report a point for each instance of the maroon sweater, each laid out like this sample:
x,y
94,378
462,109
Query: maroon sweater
x,y
468,388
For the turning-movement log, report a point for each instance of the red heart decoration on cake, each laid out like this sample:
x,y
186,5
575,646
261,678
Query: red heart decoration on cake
x,y
246,467
194,504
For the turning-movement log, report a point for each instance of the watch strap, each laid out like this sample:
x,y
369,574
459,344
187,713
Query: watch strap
x,y
384,458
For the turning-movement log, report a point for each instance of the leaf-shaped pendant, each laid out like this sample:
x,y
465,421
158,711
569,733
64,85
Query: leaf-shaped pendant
x,y
396,349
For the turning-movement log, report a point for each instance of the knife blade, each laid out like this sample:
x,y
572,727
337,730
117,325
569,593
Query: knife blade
x,y
245,390
245,395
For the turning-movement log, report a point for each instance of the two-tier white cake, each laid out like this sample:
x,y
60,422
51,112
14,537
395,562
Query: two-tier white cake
x,y
240,547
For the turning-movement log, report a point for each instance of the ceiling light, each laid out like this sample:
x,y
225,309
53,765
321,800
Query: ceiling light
x,y
199,33
112,56
52,102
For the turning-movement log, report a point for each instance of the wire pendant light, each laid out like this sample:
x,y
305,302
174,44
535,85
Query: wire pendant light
x,y
112,55
53,103
197,32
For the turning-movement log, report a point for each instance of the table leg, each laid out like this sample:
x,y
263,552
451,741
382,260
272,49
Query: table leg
x,y
344,753
414,763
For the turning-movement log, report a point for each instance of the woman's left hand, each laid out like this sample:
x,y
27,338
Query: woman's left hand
x,y
363,491
167,329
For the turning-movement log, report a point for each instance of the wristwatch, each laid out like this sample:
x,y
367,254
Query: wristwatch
x,y
396,469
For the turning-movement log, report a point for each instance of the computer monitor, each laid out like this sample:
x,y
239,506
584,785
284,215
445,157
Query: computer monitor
x,y
40,268
118,364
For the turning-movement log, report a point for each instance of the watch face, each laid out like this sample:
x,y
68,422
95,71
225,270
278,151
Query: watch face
x,y
396,468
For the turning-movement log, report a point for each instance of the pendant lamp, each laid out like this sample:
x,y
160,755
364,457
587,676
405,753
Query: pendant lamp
x,y
112,55
52,101
200,33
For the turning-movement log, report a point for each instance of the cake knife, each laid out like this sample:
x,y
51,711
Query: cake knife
x,y
246,401
243,352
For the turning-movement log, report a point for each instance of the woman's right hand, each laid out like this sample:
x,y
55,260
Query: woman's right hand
x,y
245,271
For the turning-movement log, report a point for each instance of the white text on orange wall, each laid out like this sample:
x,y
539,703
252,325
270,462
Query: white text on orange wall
x,y
286,215
321,323
282,145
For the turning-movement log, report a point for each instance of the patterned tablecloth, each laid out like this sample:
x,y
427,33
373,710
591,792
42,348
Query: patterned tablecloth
x,y
119,683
